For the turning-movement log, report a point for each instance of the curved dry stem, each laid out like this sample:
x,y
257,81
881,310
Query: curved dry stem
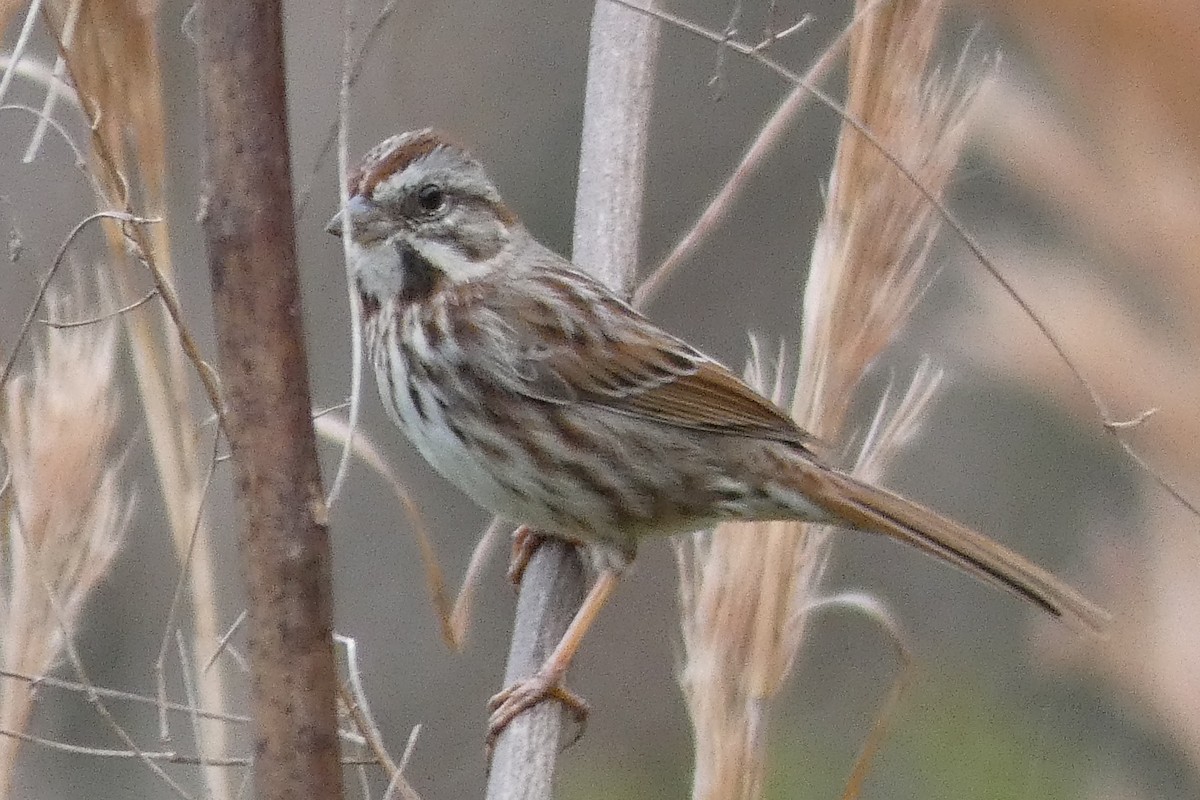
x,y
44,286
769,136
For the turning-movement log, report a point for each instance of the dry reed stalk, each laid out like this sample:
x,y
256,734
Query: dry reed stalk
x,y
65,512
866,272
616,128
110,50
1120,172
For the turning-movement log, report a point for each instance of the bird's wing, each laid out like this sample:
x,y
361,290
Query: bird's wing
x,y
623,362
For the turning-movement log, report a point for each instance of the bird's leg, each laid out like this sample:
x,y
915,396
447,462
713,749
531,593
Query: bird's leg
x,y
547,682
525,542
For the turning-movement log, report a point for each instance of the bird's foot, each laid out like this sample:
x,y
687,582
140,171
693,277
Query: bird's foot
x,y
525,542
523,695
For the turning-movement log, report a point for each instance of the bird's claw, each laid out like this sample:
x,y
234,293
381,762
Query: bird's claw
x,y
523,695
525,542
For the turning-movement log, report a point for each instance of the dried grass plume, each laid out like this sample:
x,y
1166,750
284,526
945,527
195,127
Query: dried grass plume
x,y
65,512
745,588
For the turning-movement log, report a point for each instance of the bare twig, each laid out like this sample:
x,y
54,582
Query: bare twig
x,y
160,663
350,77
223,645
55,86
186,662
147,297
356,334
31,314
452,616
31,15
164,756
117,694
874,610
354,698
763,145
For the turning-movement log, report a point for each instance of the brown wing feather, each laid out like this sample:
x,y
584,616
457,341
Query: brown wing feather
x,y
623,362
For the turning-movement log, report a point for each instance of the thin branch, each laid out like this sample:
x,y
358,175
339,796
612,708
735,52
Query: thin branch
x,y
191,349
763,145
223,645
31,15
160,677
356,332
354,698
56,85
146,298
189,691
80,161
117,694
878,613
164,756
333,134
31,314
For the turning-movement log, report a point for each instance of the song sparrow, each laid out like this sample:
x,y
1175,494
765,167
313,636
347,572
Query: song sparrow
x,y
551,402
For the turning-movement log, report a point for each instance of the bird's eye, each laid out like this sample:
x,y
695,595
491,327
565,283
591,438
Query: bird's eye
x,y
431,198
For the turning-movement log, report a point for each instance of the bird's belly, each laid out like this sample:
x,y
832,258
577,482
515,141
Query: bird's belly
x,y
424,422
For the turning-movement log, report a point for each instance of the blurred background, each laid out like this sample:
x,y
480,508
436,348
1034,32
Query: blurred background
x,y
1082,180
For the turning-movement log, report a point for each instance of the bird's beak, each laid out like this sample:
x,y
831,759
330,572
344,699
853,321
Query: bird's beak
x,y
358,208
335,225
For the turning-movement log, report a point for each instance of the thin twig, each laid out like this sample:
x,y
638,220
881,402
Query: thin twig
x,y
356,332
189,691
878,613
117,694
764,143
350,77
354,697
165,756
80,161
717,81
55,86
31,314
191,349
160,677
223,645
31,15
147,297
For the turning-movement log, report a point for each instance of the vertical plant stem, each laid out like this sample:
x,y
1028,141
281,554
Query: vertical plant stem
x,y
247,220
608,211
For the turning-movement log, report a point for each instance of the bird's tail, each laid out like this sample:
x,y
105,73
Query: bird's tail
x,y
858,505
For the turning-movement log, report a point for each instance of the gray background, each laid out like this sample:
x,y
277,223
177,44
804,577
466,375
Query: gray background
x,y
981,721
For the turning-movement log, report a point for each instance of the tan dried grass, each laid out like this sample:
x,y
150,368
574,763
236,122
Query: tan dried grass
x,y
66,510
745,587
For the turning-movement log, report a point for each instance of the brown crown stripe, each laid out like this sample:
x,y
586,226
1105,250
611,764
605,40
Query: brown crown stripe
x,y
396,160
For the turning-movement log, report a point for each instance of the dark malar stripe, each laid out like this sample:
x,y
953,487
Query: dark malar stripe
x,y
420,278
370,303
